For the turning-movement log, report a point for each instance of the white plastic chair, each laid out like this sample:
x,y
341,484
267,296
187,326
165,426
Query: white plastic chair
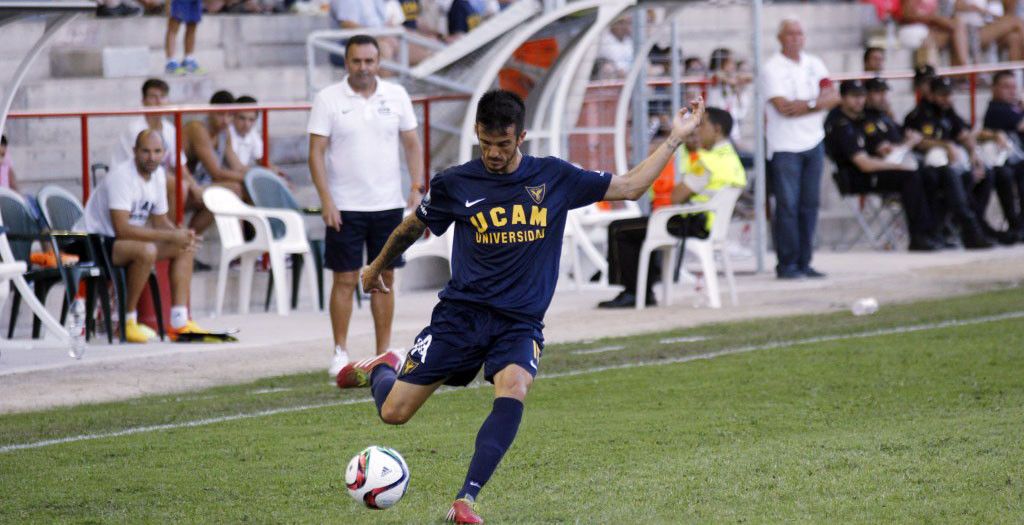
x,y
229,211
575,240
658,238
593,222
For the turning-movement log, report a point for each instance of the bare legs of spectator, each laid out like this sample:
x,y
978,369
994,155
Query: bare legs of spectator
x,y
955,39
172,35
1008,32
382,306
140,256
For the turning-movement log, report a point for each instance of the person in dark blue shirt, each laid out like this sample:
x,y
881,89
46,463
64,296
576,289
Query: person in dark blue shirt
x,y
509,212
462,18
1004,123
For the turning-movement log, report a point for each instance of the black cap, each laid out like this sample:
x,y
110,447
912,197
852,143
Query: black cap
x,y
941,85
923,73
851,87
876,84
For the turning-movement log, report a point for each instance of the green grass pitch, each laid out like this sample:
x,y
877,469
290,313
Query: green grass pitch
x,y
917,426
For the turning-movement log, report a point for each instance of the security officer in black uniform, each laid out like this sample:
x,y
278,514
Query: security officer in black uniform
x,y
943,129
881,130
859,171
1004,123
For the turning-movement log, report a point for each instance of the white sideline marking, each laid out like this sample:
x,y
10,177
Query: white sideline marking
x,y
598,350
571,373
685,339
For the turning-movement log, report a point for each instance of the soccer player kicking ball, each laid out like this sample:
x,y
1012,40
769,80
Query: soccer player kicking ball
x,y
509,211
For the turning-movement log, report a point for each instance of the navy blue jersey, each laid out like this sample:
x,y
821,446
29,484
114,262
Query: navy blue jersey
x,y
508,229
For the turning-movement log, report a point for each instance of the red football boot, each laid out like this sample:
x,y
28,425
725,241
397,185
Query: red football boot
x,y
462,513
357,374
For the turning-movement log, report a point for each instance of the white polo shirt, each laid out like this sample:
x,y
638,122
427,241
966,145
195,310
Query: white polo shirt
x,y
793,81
124,189
363,171
249,148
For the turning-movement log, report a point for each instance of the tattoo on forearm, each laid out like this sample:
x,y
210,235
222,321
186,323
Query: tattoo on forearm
x,y
401,239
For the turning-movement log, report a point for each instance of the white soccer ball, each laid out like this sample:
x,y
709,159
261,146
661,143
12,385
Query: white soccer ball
x,y
377,477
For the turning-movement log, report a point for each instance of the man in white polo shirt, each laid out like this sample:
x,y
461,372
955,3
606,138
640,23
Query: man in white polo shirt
x,y
357,123
799,96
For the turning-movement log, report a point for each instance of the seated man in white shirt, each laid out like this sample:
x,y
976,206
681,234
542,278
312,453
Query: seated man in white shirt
x,y
246,141
129,210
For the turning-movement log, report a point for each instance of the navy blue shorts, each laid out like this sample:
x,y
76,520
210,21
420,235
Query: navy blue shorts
x,y
188,11
462,337
343,249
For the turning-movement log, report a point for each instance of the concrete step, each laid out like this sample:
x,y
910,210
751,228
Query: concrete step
x,y
146,31
21,36
246,40
77,62
9,65
270,84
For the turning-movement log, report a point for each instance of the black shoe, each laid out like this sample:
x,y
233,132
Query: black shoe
x,y
922,244
128,10
790,275
119,10
623,300
811,273
200,266
975,240
1007,238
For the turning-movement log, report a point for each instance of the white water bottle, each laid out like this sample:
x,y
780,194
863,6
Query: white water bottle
x,y
865,306
76,329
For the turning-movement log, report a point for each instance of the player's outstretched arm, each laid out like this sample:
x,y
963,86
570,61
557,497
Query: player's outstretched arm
x,y
401,239
634,184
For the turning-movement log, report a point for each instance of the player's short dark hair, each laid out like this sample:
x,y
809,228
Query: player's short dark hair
x,y
871,49
222,97
1000,75
362,40
719,118
245,99
155,83
498,109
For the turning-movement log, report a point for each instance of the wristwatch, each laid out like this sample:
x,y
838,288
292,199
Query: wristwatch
x,y
811,104
419,188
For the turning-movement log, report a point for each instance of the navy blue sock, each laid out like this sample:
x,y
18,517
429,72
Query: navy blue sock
x,y
494,438
381,380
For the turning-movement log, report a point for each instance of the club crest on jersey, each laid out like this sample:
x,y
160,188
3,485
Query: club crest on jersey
x,y
536,192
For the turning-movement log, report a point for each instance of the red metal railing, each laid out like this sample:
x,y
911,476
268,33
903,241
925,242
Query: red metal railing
x,y
178,111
